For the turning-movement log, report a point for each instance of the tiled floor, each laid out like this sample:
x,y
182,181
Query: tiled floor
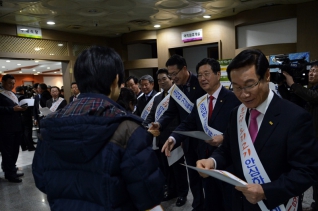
x,y
26,197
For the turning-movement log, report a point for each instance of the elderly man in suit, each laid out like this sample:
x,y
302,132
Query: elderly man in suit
x,y
219,102
270,142
56,102
75,91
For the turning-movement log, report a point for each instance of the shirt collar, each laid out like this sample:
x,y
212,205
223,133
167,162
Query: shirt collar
x,y
149,94
217,92
262,108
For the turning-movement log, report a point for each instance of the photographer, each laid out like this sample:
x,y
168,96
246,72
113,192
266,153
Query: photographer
x,y
310,95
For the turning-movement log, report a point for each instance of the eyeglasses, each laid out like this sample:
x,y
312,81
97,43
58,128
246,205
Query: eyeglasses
x,y
313,70
205,75
174,74
238,89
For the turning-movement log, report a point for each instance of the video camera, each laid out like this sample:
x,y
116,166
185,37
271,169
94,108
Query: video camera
x,y
297,68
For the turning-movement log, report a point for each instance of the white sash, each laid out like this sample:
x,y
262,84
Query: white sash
x,y
203,114
253,169
148,107
56,104
140,95
181,98
9,95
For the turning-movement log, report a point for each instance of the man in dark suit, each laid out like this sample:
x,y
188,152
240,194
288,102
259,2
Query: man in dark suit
x,y
219,102
11,129
56,102
147,83
75,91
188,90
133,84
176,175
269,141
40,102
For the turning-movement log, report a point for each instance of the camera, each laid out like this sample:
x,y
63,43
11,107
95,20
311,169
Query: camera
x,y
298,69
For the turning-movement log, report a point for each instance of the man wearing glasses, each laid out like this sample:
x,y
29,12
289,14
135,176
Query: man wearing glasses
x,y
183,96
311,97
269,141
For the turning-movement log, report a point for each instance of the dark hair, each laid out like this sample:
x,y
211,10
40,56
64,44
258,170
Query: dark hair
x,y
58,89
215,65
35,85
43,86
73,83
146,77
163,71
19,88
126,96
7,76
176,60
249,57
96,68
315,63
135,79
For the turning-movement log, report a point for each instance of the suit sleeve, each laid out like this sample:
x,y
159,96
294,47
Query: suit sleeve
x,y
189,124
301,155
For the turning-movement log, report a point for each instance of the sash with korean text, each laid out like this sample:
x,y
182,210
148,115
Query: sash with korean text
x,y
203,112
148,107
56,104
181,98
253,169
9,95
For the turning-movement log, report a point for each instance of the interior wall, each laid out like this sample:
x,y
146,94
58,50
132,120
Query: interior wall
x,y
53,81
19,79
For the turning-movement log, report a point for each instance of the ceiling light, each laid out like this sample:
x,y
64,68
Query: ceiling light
x,y
33,69
38,48
8,61
206,16
157,26
20,72
18,64
54,72
60,44
36,61
38,72
51,54
50,22
3,67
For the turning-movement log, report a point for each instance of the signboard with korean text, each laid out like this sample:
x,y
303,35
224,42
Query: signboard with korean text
x,y
30,32
190,36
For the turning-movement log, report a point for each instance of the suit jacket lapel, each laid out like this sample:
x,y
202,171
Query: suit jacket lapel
x,y
269,123
219,104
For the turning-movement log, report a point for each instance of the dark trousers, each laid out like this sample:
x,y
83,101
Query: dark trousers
x,y
195,180
213,194
27,140
10,143
176,175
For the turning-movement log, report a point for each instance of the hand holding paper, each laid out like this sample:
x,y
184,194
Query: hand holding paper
x,y
167,147
205,164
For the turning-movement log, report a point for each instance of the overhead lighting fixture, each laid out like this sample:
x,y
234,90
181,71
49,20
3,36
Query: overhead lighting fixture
x,y
38,48
157,26
54,72
3,66
51,54
50,22
36,61
8,61
20,72
60,44
206,16
33,70
18,64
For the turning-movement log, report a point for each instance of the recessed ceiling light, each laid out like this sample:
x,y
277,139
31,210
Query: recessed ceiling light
x,y
38,72
3,66
18,64
38,48
51,54
20,72
54,72
36,61
8,61
60,44
33,69
50,22
157,26
206,16
48,68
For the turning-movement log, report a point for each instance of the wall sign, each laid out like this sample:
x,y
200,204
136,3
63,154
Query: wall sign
x,y
26,31
190,36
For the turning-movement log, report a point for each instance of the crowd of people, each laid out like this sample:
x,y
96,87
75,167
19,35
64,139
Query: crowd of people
x,y
110,148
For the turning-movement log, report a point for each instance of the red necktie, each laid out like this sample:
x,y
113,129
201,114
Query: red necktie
x,y
253,127
210,106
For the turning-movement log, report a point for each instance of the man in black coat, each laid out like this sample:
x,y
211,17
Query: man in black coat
x,y
11,129
187,90
40,102
176,175
75,91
